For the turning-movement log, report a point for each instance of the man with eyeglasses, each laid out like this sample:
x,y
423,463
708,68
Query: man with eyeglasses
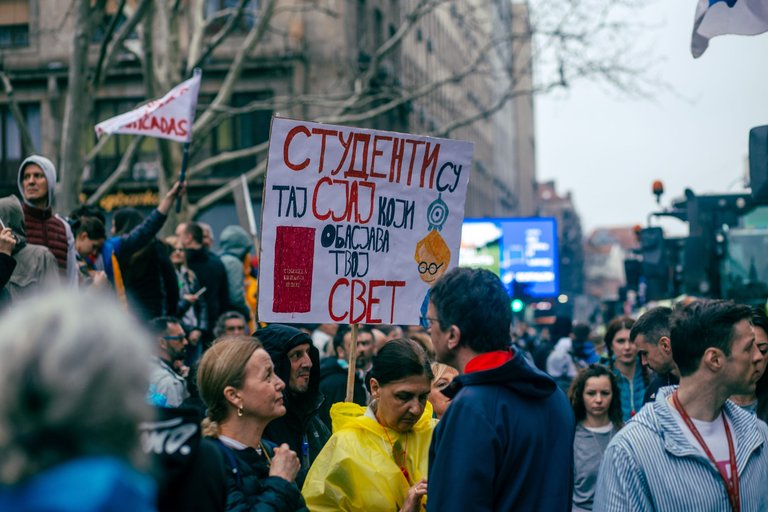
x,y
508,434
167,388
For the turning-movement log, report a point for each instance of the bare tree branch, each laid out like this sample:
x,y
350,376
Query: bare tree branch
x,y
223,191
27,146
105,43
122,35
226,157
208,118
197,13
220,36
122,168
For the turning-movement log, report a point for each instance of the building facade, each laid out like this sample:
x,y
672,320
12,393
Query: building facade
x,y
309,61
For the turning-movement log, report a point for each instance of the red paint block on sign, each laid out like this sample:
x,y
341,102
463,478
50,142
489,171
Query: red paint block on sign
x,y
294,259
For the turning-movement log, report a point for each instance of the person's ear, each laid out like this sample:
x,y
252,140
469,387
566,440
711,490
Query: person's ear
x,y
375,389
454,337
714,358
233,396
665,344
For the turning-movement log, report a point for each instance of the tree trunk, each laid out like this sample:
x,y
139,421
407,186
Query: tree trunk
x,y
71,163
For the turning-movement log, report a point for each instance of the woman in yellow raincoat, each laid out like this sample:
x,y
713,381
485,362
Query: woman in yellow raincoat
x,y
376,459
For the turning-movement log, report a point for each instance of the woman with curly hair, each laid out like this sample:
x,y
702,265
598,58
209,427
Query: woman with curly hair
x,y
596,403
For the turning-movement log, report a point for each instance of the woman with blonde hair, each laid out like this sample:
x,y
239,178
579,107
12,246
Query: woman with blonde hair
x,y
238,384
376,459
443,376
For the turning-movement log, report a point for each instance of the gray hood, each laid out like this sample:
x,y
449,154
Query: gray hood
x,y
13,217
235,240
50,174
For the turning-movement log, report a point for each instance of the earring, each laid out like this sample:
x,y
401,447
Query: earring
x,y
240,411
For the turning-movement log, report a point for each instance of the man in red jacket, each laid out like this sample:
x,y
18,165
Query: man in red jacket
x,y
37,182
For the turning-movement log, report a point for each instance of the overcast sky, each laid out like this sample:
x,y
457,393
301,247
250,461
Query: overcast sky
x,y
607,150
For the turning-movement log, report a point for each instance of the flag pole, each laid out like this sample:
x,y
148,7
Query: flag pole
x,y
183,173
352,363
185,147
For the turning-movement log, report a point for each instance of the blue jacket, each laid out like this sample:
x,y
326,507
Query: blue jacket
x,y
650,465
91,484
505,443
123,246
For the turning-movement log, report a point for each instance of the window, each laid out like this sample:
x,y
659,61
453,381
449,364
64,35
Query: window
x,y
217,12
14,23
11,152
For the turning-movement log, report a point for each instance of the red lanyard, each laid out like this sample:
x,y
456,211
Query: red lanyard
x,y
731,484
402,467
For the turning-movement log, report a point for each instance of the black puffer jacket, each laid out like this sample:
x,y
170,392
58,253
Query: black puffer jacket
x,y
251,489
302,421
333,386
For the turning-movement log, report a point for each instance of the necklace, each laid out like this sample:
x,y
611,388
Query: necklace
x,y
403,469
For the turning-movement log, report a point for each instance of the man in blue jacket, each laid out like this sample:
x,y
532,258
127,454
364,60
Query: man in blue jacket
x,y
505,442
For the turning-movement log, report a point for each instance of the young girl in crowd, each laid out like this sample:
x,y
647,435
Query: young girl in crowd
x,y
376,459
594,396
625,364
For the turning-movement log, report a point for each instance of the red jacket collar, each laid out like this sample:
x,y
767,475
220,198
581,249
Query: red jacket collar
x,y
489,360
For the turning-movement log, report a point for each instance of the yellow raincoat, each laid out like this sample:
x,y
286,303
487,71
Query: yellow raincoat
x,y
356,469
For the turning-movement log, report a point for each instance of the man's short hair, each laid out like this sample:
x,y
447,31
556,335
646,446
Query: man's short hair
x,y
194,230
700,325
88,210
653,324
91,226
220,329
338,339
159,325
476,302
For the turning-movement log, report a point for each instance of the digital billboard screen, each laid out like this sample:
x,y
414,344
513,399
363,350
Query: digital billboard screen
x,y
521,251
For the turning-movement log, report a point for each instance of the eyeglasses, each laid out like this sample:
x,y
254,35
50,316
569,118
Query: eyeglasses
x,y
432,268
427,322
177,249
178,337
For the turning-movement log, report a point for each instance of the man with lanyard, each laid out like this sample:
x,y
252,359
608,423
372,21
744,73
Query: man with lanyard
x,y
693,449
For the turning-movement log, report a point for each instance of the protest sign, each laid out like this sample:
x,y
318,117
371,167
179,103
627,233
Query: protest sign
x,y
357,224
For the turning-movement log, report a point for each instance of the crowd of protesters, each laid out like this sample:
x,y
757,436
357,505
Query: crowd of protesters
x,y
154,387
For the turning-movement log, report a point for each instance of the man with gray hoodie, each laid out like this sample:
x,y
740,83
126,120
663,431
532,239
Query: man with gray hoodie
x,y
235,244
37,184
35,266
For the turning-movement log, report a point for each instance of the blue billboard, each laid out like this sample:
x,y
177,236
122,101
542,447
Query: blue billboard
x,y
521,251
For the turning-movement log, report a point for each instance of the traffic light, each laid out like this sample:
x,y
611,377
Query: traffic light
x,y
655,266
517,305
